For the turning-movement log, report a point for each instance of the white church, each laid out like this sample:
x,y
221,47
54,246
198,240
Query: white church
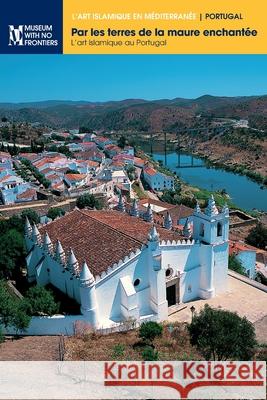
x,y
119,266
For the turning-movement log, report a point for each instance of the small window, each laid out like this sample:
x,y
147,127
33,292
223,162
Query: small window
x,y
219,229
137,282
168,272
189,289
202,230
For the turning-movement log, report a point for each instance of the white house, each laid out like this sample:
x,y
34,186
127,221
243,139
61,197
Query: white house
x,y
118,266
76,180
246,255
157,180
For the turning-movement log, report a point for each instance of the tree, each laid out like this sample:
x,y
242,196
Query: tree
x,y
85,129
172,196
32,216
235,265
150,330
65,150
89,200
258,236
12,310
131,172
21,319
122,142
39,300
222,335
55,212
12,253
72,171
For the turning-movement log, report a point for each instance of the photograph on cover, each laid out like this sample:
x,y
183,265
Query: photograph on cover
x,y
133,207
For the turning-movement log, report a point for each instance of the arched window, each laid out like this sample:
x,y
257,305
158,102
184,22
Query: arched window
x,y
137,282
168,272
219,229
202,229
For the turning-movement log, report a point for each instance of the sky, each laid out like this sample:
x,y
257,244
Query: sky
x,y
25,78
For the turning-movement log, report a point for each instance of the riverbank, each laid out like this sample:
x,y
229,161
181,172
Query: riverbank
x,y
187,193
231,153
247,159
239,169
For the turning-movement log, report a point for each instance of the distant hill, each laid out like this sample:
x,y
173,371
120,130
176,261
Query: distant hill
x,y
138,114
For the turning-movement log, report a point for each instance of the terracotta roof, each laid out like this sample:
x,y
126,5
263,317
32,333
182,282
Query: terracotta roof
x,y
40,163
92,163
123,156
117,163
112,147
88,144
150,171
57,185
46,170
236,247
178,211
7,178
101,139
101,238
3,154
85,155
52,177
29,156
75,177
29,193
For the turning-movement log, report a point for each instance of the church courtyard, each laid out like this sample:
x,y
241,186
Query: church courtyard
x,y
240,297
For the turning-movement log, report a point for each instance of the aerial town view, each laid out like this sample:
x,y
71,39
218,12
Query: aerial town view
x,y
133,208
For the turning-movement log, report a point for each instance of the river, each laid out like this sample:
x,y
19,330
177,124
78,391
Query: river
x,y
243,192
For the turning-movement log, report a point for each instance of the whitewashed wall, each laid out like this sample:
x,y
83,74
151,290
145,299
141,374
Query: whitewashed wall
x,y
55,325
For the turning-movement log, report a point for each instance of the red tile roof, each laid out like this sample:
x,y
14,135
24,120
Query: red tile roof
x,y
46,170
236,247
101,238
92,163
3,154
101,139
139,161
28,194
6,178
75,177
52,177
150,171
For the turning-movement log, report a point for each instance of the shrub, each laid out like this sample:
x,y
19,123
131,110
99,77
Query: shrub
x,y
150,330
150,354
2,338
118,351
